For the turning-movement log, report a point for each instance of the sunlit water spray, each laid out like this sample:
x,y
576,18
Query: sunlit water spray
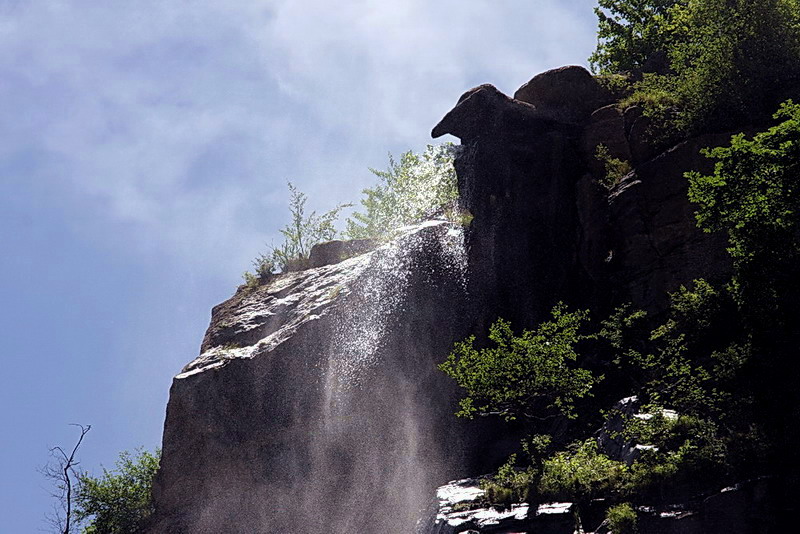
x,y
375,446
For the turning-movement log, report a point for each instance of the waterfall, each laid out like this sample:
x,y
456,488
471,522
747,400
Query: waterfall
x,y
376,452
316,404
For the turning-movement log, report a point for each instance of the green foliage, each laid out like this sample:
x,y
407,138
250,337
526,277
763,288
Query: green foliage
x,y
619,85
409,191
510,484
119,501
685,451
580,473
725,57
615,168
629,32
753,194
303,232
622,519
533,377
300,235
730,54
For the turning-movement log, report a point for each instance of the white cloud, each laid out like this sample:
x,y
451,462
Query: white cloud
x,y
182,120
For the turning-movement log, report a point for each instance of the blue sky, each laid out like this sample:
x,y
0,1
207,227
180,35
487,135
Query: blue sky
x,y
144,151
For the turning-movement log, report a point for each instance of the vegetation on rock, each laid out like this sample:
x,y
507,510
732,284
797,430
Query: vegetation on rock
x,y
700,64
416,187
409,190
119,501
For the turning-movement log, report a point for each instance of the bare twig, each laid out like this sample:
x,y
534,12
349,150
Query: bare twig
x,y
61,470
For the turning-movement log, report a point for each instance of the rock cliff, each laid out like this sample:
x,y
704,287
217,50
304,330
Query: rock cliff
x,y
315,404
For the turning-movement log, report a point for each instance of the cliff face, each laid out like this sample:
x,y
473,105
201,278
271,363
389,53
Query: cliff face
x,y
316,404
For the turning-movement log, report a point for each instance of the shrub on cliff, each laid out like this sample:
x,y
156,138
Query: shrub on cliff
x,y
409,191
534,377
119,501
299,236
753,195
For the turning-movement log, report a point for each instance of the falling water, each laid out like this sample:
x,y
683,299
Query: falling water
x,y
380,446
328,414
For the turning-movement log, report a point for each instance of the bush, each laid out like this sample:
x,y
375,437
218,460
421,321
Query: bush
x,y
533,377
621,519
615,168
510,485
300,235
581,473
409,191
120,501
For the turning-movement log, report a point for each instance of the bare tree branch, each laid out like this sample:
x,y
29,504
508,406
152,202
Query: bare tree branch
x,y
61,470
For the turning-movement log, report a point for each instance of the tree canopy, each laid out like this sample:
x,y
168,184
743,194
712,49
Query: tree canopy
x,y
630,32
408,191
119,501
532,377
723,59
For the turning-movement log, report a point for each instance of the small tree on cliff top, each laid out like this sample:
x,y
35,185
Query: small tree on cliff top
x,y
409,191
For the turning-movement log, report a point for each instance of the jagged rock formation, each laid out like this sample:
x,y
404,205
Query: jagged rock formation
x,y
315,404
545,230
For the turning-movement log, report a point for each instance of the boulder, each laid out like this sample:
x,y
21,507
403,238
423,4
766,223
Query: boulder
x,y
568,94
331,252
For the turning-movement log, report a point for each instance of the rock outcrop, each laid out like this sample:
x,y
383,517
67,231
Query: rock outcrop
x,y
459,508
545,230
316,404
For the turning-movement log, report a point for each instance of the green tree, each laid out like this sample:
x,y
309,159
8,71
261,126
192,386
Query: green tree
x,y
533,377
753,194
630,32
726,58
409,191
119,501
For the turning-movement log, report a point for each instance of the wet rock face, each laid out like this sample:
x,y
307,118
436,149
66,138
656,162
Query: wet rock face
x,y
316,404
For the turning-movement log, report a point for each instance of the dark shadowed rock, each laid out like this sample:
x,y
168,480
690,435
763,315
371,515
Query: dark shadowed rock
x,y
606,127
516,175
655,243
481,106
569,93
640,138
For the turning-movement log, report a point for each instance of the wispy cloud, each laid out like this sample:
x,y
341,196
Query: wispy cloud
x,y
183,120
